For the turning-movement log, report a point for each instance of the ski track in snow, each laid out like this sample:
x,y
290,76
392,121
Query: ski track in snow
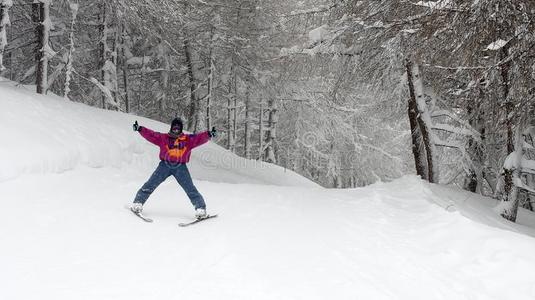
x,y
66,235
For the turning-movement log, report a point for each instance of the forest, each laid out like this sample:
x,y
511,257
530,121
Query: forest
x,y
346,93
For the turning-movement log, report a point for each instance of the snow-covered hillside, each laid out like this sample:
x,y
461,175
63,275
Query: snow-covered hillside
x,y
67,170
53,135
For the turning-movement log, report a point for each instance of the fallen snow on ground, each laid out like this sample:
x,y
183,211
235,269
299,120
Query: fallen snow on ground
x,y
68,170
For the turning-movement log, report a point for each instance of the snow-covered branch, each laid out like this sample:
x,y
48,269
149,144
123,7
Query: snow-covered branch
x,y
457,130
106,91
439,142
520,184
468,130
528,166
439,5
382,152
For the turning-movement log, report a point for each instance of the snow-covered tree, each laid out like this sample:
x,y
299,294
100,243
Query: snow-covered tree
x,y
5,5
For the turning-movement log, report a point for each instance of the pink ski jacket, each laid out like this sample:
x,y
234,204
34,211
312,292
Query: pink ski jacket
x,y
175,150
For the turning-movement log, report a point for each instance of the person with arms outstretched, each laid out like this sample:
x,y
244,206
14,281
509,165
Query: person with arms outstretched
x,y
175,150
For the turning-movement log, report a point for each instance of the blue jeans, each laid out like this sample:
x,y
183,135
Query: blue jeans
x,y
181,174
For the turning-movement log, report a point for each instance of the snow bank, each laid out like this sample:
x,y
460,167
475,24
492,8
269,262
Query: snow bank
x,y
47,134
475,207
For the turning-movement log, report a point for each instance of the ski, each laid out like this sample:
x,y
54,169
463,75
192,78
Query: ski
x,y
141,216
197,221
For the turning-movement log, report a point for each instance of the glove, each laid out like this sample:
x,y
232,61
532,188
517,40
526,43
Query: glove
x,y
136,127
212,133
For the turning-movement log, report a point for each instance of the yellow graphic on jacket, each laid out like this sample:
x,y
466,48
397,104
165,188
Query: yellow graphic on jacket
x,y
177,148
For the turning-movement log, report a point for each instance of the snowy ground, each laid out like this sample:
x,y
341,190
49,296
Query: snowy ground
x,y
67,171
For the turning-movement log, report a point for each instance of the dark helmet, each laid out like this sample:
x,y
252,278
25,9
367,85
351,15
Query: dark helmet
x,y
177,125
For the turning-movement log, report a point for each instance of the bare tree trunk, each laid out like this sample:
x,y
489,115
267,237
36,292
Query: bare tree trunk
x,y
230,135
164,77
423,119
210,92
512,170
509,107
68,67
193,107
38,14
413,120
124,67
470,181
474,179
114,59
233,83
103,45
510,191
210,83
235,111
125,84
3,39
142,80
425,125
108,58
248,121
261,131
530,180
272,135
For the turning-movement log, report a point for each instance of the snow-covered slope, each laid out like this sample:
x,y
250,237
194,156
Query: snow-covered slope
x,y
49,135
68,169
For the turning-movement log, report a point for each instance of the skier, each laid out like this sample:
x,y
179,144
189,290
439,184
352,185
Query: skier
x,y
175,150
